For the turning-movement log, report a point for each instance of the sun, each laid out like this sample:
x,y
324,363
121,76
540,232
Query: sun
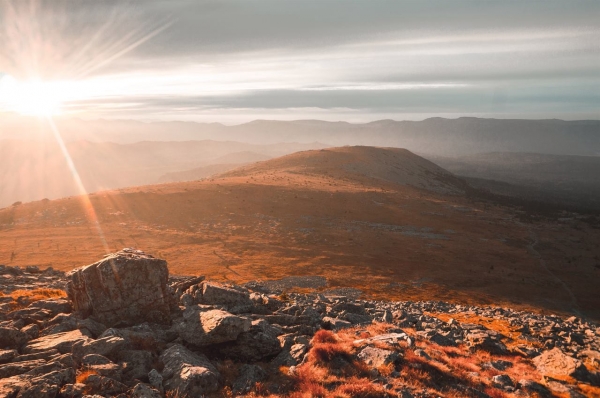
x,y
31,98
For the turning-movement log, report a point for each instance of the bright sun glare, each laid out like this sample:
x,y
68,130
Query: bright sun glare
x,y
32,98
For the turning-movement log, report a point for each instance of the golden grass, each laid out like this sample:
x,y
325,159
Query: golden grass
x,y
83,375
499,325
191,231
23,298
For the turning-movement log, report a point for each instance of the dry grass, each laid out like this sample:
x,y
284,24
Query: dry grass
x,y
83,375
23,298
185,224
499,325
36,294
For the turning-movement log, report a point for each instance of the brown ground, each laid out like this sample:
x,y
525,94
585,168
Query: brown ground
x,y
278,219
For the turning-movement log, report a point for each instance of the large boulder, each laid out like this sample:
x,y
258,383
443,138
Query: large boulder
x,y
188,374
127,288
203,328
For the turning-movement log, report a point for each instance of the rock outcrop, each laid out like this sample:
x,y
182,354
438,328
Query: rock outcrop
x,y
127,288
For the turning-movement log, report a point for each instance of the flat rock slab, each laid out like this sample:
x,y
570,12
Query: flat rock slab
x,y
388,338
128,287
556,364
63,342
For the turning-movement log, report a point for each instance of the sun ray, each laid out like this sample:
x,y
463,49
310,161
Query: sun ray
x,y
90,212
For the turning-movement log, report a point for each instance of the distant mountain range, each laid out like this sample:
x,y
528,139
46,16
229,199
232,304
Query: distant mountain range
x,y
572,181
445,137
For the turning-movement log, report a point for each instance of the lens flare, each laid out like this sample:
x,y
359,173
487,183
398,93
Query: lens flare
x,y
50,52
33,98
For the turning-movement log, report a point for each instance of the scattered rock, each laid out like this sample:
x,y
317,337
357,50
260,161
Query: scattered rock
x,y
76,390
483,341
501,364
121,331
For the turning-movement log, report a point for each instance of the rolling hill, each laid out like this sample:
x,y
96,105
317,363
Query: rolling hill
x,y
381,220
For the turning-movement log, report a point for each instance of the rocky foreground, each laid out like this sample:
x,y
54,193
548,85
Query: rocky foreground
x,y
123,328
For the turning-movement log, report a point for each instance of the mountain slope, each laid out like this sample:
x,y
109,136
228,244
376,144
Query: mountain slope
x,y
349,215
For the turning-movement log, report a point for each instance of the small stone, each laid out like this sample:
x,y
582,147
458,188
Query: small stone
x,y
377,357
502,381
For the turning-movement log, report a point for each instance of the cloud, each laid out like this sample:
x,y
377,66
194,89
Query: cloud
x,y
369,56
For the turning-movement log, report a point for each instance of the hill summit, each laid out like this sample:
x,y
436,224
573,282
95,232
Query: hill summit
x,y
392,165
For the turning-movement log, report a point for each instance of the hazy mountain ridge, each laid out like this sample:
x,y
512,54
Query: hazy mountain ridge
x,y
561,179
449,137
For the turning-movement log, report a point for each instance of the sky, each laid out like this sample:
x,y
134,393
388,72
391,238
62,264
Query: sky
x,y
233,61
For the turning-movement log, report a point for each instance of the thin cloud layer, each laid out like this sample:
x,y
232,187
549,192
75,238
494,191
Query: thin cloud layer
x,y
239,60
